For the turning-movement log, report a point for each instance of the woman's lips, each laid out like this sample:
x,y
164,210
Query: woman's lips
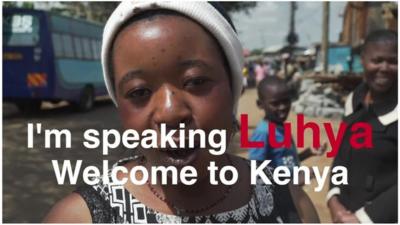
x,y
381,80
180,157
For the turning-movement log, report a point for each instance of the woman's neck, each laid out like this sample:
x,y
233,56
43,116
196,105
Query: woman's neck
x,y
182,196
376,97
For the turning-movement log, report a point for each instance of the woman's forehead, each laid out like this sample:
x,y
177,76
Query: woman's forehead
x,y
389,47
162,30
166,22
165,45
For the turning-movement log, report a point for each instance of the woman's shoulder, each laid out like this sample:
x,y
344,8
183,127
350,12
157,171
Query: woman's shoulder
x,y
71,209
355,98
88,203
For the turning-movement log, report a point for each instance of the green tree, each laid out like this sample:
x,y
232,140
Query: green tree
x,y
238,6
9,4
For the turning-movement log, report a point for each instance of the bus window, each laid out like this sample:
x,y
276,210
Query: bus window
x,y
20,30
58,46
78,47
68,47
96,49
99,44
99,47
87,50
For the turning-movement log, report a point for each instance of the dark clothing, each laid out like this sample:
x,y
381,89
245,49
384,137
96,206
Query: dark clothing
x,y
372,173
110,203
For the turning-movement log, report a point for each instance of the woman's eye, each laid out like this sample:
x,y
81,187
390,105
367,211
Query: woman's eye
x,y
376,61
392,61
138,94
193,82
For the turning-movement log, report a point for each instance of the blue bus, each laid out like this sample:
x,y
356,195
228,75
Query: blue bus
x,y
48,57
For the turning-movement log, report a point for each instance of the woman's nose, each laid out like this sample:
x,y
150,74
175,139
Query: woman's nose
x,y
385,66
171,108
283,106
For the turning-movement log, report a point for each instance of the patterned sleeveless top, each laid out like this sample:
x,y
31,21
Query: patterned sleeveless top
x,y
110,203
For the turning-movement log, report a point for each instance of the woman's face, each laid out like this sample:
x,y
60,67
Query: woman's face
x,y
168,69
380,66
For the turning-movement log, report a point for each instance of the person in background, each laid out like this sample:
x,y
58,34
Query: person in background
x,y
371,193
245,73
259,71
288,68
267,68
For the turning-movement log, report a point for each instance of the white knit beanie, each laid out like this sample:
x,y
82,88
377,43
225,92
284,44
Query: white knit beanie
x,y
202,12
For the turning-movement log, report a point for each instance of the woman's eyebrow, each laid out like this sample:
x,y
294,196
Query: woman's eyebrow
x,y
194,63
127,77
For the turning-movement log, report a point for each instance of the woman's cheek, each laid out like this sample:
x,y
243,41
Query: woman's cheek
x,y
214,110
131,117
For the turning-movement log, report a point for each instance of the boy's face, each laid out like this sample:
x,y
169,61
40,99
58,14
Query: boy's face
x,y
380,66
276,102
169,70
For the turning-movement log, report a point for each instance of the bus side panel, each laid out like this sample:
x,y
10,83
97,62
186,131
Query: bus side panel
x,y
75,71
73,75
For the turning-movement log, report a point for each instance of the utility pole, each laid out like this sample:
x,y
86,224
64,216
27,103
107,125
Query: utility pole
x,y
325,36
292,37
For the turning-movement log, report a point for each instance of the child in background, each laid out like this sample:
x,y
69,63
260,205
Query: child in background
x,y
274,97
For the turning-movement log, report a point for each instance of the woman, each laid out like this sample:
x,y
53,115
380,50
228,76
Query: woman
x,y
371,193
172,63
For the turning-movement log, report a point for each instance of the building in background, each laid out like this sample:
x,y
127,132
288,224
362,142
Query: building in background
x,y
361,18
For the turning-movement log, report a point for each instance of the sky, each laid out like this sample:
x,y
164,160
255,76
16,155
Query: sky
x,y
267,24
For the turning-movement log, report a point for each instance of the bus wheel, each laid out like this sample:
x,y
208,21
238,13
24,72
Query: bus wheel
x,y
86,100
31,106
